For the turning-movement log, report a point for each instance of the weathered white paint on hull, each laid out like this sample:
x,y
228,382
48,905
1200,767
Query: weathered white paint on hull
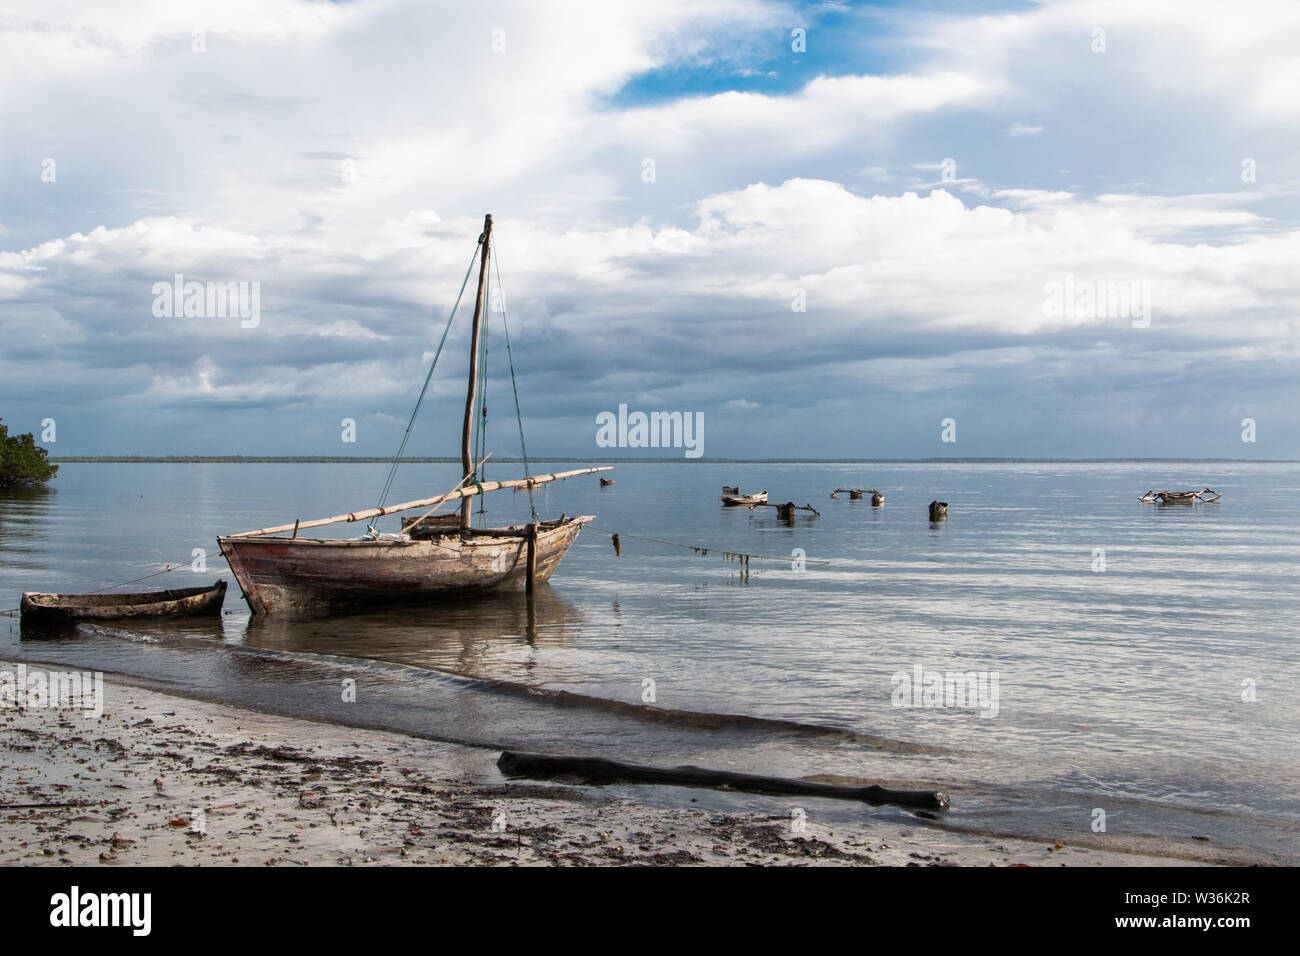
x,y
303,576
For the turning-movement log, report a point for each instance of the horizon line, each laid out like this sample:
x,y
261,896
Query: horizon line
x,y
441,459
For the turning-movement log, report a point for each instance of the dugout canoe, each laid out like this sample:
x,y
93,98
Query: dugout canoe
x,y
178,602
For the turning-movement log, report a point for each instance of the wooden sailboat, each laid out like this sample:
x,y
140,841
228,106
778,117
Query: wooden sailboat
x,y
434,557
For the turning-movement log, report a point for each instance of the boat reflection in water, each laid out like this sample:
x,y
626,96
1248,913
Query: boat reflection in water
x,y
462,637
145,630
489,636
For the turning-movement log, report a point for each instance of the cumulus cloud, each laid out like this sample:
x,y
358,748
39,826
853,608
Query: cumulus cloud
x,y
773,271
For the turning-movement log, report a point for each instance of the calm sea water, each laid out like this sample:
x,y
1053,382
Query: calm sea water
x,y
1125,689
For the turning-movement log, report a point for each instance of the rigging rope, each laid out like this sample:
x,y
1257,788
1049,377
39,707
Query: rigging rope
x,y
483,417
397,459
170,567
510,359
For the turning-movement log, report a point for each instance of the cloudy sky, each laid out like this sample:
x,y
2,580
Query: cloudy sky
x,y
827,227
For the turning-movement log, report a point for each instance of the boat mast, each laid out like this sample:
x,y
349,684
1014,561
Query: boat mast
x,y
467,432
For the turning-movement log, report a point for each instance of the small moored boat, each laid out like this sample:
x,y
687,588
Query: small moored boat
x,y
1182,497
854,493
739,501
179,602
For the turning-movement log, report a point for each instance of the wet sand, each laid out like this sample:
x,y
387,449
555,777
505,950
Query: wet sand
x,y
163,780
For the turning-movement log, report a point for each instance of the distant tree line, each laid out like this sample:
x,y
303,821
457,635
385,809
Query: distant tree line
x,y
22,461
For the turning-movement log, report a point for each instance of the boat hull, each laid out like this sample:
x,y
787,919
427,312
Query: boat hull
x,y
299,577
733,501
180,602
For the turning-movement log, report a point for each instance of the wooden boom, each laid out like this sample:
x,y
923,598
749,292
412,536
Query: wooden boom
x,y
423,502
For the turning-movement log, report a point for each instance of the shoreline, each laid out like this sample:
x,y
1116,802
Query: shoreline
x,y
163,780
444,460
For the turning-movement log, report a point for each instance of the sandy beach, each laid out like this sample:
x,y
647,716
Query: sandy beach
x,y
163,780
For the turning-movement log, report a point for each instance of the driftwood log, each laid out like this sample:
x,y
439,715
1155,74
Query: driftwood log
x,y
852,492
731,489
938,510
597,770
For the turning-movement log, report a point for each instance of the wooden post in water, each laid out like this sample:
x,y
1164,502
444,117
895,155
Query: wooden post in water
x,y
532,557
467,432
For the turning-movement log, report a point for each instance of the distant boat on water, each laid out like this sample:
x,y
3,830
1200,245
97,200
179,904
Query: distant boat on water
x,y
1182,497
738,501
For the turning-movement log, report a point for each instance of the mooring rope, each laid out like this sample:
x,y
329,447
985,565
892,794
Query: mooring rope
x,y
109,587
170,567
703,550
